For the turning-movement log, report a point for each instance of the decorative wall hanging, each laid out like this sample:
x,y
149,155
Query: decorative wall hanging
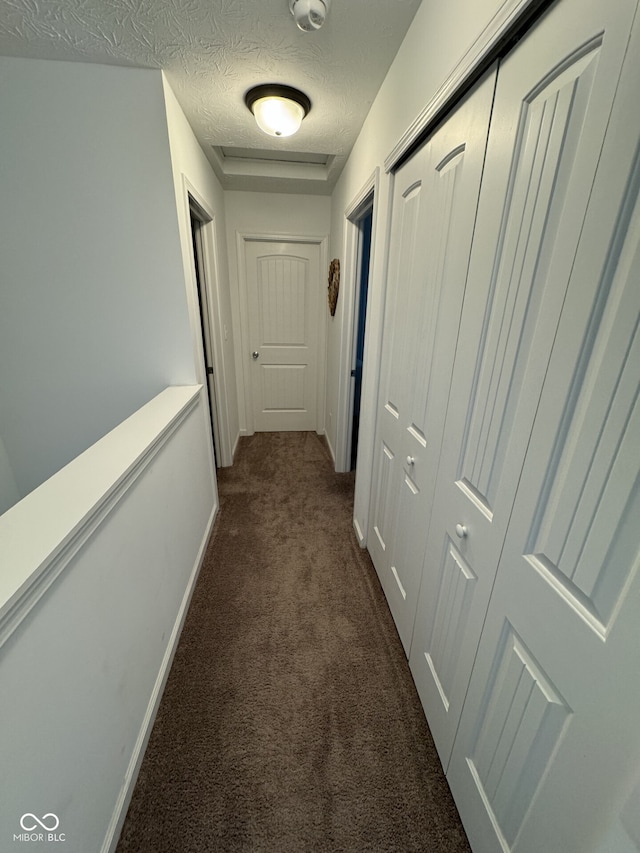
x,y
334,284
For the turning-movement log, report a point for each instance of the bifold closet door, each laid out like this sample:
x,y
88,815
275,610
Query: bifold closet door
x,y
553,101
548,749
434,207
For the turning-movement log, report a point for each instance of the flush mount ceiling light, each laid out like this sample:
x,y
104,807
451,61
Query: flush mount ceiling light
x,y
309,15
278,110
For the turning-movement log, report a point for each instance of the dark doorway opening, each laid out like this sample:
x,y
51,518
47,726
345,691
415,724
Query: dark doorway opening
x,y
205,326
365,226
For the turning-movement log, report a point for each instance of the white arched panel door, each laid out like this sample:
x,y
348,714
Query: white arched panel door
x,y
435,201
548,748
283,295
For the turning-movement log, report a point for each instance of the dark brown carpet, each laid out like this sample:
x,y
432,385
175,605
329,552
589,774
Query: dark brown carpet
x,y
290,722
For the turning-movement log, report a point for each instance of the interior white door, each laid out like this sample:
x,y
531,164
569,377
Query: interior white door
x,y
283,295
548,747
552,106
434,207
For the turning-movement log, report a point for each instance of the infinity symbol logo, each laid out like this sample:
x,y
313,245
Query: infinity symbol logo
x,y
26,824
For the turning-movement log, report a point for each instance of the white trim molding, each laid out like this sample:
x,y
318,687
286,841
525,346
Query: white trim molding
x,y
210,252
380,239
365,198
481,51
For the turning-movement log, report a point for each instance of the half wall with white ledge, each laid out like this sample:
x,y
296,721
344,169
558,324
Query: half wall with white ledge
x,y
98,567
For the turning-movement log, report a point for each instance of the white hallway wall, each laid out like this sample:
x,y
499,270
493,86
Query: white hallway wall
x,y
9,494
439,36
94,321
93,313
190,163
267,213
98,567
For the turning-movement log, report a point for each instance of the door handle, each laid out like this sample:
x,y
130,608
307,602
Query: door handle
x,y
461,531
255,354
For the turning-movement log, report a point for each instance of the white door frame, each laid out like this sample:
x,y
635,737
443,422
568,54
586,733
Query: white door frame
x,y
349,287
381,185
211,283
242,238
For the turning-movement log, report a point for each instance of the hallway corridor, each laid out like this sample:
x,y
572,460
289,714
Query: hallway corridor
x,y
289,722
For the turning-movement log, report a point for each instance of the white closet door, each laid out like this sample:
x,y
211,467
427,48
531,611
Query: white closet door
x,y
435,201
549,746
553,101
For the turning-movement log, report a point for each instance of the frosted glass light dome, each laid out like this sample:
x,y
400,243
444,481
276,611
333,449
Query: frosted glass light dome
x,y
278,116
278,110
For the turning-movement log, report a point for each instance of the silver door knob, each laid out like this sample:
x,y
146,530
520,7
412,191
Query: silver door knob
x,y
410,460
461,531
255,354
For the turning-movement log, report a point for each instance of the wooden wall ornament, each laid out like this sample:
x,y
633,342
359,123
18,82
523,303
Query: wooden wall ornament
x,y
334,285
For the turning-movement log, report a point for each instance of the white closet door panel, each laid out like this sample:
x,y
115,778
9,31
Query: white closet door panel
x,y
552,106
548,741
385,491
436,196
407,223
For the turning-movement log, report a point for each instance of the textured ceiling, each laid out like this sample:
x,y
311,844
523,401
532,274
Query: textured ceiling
x,y
214,50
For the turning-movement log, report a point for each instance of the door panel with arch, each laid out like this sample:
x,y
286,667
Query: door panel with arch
x,y
283,294
435,200
548,741
552,107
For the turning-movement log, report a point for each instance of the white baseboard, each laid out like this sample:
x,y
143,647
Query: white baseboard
x,y
361,538
331,450
120,811
235,446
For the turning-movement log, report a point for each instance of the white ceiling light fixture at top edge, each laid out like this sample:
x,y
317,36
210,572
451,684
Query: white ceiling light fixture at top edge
x,y
309,15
